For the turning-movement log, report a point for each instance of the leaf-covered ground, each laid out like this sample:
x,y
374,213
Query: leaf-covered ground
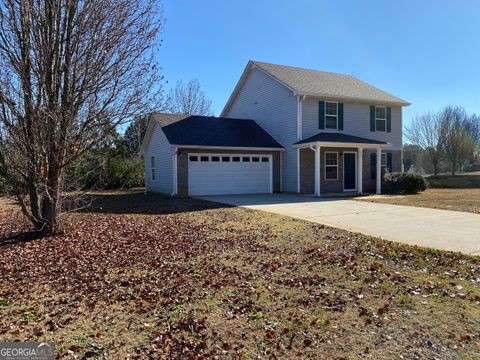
x,y
146,277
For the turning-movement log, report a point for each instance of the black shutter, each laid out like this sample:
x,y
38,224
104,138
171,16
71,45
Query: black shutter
x,y
389,162
340,116
321,114
389,119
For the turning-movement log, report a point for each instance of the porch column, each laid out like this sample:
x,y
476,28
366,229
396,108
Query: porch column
x,y
379,171
317,170
360,170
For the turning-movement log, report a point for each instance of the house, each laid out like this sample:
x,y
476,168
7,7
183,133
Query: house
x,y
283,129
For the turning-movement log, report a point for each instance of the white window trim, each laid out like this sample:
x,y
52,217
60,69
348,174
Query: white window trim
x,y
325,166
382,119
153,168
325,116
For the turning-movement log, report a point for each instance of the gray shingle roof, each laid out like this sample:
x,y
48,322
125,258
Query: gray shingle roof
x,y
219,132
328,84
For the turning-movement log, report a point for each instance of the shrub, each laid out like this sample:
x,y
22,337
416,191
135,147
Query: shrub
x,y
471,167
404,183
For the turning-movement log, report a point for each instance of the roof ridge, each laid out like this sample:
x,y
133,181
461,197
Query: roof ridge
x,y
304,68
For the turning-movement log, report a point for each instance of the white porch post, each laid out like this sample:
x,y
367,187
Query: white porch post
x,y
360,170
317,170
379,171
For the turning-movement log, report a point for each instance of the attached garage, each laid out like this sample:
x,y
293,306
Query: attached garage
x,y
220,174
210,156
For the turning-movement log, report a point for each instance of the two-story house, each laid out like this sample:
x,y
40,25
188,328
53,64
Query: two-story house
x,y
283,129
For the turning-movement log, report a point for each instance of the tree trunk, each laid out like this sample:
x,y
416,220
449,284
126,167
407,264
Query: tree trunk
x,y
46,205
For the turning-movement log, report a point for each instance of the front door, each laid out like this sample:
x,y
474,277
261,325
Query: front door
x,y
349,171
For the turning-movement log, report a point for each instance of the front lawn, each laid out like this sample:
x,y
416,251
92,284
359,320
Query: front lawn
x,y
143,276
467,200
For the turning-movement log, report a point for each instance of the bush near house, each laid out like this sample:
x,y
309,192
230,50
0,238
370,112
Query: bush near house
x,y
404,183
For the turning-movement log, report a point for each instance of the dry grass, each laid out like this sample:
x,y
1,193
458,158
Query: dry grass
x,y
467,200
150,277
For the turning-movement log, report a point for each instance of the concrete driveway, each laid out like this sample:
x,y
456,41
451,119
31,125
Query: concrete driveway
x,y
440,229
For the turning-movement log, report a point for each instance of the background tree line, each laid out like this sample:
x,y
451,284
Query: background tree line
x,y
448,140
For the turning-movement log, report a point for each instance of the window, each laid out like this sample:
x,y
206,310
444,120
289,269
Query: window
x,y
193,158
331,166
264,159
255,159
246,159
384,163
152,168
215,158
203,158
225,158
380,118
236,159
331,115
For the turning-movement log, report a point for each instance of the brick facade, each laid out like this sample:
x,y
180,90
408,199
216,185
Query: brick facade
x,y
182,166
307,170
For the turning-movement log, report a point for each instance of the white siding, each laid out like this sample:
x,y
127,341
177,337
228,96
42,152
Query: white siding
x,y
274,107
356,121
161,149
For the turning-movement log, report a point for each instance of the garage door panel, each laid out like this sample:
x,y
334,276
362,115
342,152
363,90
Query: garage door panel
x,y
217,178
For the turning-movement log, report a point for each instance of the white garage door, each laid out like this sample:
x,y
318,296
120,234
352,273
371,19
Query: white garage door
x,y
220,174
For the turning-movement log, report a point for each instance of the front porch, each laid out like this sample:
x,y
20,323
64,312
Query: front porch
x,y
338,163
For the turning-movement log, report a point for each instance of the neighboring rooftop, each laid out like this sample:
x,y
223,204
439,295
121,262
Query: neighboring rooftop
x,y
221,132
166,119
321,84
339,138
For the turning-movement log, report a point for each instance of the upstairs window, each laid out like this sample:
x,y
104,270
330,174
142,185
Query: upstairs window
x,y
331,115
152,168
380,118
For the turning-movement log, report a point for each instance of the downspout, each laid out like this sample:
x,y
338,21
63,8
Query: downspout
x,y
300,100
175,180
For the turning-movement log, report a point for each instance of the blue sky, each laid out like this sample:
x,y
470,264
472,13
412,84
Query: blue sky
x,y
426,52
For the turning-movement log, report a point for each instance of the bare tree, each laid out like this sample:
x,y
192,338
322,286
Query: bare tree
x,y
134,134
189,99
472,126
459,145
70,71
426,131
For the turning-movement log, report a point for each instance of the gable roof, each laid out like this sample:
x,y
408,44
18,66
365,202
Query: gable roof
x,y
319,83
162,119
208,131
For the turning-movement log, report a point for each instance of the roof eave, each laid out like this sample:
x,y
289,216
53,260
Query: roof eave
x,y
356,99
340,144
242,148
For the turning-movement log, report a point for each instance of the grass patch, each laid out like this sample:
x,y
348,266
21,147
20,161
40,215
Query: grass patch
x,y
466,200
